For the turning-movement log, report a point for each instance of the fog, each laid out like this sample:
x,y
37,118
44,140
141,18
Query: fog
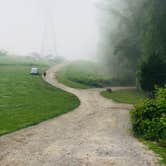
x,y
36,25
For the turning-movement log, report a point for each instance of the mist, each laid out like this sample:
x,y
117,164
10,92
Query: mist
x,y
40,26
132,35
93,70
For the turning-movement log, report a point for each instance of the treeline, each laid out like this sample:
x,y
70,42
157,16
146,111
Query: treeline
x,y
3,53
134,41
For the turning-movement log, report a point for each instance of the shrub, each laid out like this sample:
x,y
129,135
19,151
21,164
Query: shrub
x,y
149,117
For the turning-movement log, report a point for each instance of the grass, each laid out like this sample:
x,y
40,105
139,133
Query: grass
x,y
156,148
84,74
26,100
131,96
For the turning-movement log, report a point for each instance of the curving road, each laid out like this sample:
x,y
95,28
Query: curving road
x,y
95,134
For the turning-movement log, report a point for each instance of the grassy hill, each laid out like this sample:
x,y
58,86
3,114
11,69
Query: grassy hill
x,y
84,74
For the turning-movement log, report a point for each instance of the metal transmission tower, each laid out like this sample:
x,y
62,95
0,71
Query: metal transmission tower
x,y
49,42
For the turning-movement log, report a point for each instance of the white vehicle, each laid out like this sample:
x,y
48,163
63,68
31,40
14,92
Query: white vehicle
x,y
34,71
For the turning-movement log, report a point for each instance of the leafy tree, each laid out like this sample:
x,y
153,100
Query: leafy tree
x,y
139,35
123,48
152,72
154,36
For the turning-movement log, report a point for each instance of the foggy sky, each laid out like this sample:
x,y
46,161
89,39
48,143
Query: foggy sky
x,y
25,24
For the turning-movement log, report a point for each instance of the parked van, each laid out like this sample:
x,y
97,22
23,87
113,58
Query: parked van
x,y
34,71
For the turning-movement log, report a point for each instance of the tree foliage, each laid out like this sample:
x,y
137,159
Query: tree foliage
x,y
152,72
138,34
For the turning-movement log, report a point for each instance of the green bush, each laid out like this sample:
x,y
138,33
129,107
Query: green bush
x,y
149,117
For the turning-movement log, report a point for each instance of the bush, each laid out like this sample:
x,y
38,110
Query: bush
x,y
149,117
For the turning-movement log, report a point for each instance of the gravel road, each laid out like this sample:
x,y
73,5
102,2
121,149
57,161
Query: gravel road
x,y
97,133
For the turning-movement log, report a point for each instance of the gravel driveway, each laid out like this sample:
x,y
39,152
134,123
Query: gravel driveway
x,y
95,134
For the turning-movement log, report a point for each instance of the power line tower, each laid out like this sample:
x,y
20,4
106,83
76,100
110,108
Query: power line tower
x,y
49,42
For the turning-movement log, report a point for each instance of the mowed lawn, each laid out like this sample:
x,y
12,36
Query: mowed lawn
x,y
131,96
27,100
84,74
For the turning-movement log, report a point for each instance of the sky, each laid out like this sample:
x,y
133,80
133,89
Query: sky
x,y
36,25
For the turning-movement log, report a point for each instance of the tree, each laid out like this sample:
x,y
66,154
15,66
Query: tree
x,y
124,41
152,72
138,36
154,36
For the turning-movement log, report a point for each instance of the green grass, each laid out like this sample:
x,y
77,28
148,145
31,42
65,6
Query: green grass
x,y
84,74
131,96
27,100
156,148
